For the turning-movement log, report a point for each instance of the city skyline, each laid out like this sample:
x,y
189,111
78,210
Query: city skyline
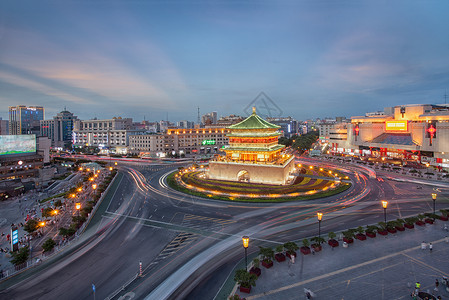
x,y
138,59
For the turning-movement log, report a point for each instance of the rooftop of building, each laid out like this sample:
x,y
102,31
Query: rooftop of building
x,y
254,122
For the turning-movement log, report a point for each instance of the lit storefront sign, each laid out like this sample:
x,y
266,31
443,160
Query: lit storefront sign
x,y
208,142
396,126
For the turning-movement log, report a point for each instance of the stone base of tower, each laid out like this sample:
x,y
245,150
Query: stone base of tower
x,y
251,172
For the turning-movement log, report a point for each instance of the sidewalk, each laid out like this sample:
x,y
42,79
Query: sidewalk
x,y
378,268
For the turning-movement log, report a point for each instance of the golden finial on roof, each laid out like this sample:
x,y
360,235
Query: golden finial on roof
x,y
254,110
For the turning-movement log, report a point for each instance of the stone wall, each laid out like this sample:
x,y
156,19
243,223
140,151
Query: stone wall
x,y
258,173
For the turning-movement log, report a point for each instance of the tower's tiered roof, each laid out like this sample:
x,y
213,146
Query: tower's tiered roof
x,y
254,122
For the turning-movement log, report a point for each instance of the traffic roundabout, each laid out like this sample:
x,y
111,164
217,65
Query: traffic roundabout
x,y
309,182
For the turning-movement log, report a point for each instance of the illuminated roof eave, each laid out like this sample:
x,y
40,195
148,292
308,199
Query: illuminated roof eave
x,y
254,149
254,122
253,134
361,119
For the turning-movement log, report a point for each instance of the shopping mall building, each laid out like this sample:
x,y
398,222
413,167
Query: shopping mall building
x,y
417,132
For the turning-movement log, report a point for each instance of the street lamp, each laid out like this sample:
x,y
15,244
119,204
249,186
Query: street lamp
x,y
110,168
319,216
78,207
245,240
94,186
434,198
384,205
42,224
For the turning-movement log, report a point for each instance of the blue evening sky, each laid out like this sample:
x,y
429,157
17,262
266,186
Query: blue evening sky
x,y
314,58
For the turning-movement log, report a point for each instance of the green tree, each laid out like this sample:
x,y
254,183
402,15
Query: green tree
x,y
317,240
305,243
291,247
47,212
331,235
31,226
20,256
244,278
266,253
48,245
360,230
279,248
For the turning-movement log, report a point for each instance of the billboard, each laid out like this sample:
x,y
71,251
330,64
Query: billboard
x,y
17,144
396,126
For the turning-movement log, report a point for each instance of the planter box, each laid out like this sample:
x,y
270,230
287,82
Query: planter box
x,y
267,264
317,247
429,221
371,234
305,250
360,236
420,223
245,289
444,218
382,232
255,271
400,228
391,230
279,257
333,243
349,241
289,254
409,226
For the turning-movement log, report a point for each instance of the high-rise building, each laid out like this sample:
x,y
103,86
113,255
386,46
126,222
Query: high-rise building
x,y
289,126
112,134
4,128
25,119
209,118
186,124
59,130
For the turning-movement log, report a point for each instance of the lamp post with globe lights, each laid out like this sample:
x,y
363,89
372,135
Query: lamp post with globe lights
x,y
245,241
434,198
319,216
384,205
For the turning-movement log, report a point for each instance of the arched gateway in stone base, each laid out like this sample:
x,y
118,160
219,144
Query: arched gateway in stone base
x,y
254,148
243,175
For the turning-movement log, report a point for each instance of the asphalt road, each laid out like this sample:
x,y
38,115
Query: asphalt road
x,y
184,242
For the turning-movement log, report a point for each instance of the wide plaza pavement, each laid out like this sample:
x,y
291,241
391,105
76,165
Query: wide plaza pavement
x,y
379,268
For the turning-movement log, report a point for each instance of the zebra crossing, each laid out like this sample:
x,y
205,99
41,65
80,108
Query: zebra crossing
x,y
204,223
185,238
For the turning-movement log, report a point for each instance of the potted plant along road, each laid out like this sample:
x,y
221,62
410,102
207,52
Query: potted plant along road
x,y
420,221
332,241
410,222
382,228
255,268
430,218
316,243
245,279
360,235
279,256
391,226
291,248
400,225
267,255
444,215
370,231
305,249
348,236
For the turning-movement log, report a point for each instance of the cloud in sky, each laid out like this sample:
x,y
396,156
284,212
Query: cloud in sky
x,y
135,58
